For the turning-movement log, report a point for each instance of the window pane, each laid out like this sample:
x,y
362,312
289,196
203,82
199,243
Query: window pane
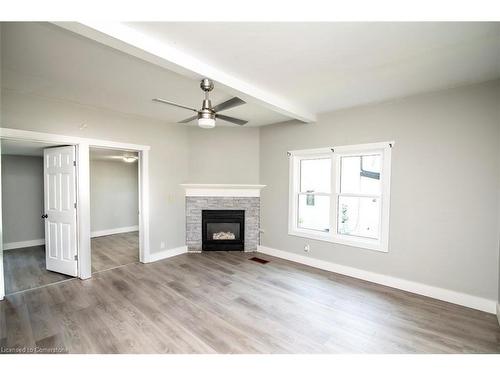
x,y
314,212
360,174
359,216
315,175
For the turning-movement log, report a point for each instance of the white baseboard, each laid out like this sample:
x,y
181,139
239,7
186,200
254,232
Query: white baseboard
x,y
164,254
447,295
21,244
108,232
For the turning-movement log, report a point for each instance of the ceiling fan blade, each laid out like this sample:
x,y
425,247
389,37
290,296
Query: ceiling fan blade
x,y
234,120
174,104
231,103
188,120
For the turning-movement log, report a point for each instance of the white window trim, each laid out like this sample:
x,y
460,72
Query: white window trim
x,y
385,148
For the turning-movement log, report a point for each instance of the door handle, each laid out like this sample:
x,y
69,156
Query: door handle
x,y
45,216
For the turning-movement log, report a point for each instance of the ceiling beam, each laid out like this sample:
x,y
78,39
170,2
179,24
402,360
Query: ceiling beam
x,y
135,43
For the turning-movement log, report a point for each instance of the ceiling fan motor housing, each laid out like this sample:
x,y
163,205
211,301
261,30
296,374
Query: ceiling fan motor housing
x,y
206,113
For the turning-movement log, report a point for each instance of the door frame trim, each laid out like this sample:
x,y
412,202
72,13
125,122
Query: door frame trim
x,y
83,192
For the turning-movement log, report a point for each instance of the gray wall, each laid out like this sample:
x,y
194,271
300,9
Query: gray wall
x,y
444,199
22,196
179,154
114,195
224,155
168,162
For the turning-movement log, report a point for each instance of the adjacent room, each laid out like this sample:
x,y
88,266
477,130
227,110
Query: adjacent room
x,y
337,192
26,260
114,208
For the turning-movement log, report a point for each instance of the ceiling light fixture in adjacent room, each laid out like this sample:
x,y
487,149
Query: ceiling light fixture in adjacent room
x,y
129,159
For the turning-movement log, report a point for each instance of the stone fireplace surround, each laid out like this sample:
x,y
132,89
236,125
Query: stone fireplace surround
x,y
222,197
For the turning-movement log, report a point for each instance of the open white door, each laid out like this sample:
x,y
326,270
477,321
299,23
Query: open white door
x,y
60,210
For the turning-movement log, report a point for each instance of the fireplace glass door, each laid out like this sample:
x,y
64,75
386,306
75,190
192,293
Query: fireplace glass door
x,y
223,231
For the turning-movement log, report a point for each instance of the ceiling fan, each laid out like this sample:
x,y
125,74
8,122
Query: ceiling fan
x,y
207,114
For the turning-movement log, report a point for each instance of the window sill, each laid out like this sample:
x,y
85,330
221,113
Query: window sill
x,y
359,243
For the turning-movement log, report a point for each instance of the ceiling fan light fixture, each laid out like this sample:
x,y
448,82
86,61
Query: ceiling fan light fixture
x,y
206,123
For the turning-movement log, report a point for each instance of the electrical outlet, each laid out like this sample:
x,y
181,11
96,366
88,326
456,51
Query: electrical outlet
x,y
307,248
162,244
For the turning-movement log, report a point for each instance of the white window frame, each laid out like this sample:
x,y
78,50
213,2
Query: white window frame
x,y
335,153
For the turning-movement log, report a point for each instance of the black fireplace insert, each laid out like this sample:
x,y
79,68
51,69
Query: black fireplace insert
x,y
223,230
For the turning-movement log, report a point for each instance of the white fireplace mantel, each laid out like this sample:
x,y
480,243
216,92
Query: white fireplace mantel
x,y
222,190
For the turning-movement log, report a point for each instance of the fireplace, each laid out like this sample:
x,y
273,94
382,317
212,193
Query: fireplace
x,y
223,230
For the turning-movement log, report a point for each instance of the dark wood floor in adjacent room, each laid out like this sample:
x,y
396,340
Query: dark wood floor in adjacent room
x,y
222,302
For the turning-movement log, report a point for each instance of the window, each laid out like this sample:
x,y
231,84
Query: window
x,y
314,194
341,194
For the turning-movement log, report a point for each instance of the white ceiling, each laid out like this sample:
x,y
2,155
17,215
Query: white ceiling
x,y
327,66
318,66
23,148
43,59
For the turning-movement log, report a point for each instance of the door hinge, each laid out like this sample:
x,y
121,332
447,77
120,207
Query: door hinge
x,y
74,204
76,257
74,163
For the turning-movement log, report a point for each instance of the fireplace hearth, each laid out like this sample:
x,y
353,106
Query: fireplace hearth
x,y
223,230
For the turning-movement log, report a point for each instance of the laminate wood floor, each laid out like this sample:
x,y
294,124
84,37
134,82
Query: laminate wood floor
x,y
25,269
114,251
222,302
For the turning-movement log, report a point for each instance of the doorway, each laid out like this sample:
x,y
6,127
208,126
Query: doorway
x,y
114,208
39,214
82,146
